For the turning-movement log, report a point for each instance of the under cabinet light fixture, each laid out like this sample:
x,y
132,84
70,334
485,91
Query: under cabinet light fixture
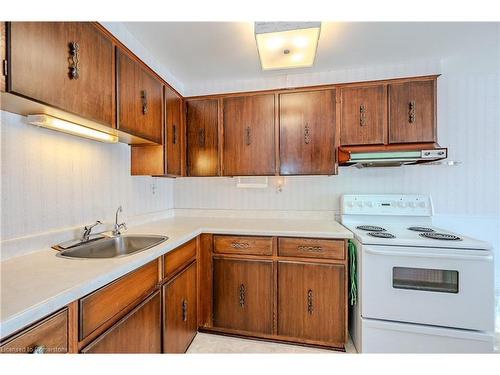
x,y
285,45
54,123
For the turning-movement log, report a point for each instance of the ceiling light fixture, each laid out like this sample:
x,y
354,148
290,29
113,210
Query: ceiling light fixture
x,y
285,45
54,123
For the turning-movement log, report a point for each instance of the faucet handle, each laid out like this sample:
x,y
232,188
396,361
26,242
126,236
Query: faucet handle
x,y
89,227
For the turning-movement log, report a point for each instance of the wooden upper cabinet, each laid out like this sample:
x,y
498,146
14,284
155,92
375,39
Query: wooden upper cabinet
x,y
179,311
249,148
243,295
363,115
40,54
173,136
140,99
307,133
412,112
312,303
202,121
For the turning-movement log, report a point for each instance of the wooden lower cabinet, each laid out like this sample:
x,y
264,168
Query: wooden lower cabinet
x,y
311,301
180,311
243,295
137,332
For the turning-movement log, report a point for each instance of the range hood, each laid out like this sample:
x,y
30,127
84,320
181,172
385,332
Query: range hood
x,y
389,156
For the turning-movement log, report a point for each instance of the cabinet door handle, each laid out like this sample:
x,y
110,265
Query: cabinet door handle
x,y
184,310
174,134
307,134
362,115
412,112
310,306
242,295
240,245
74,60
201,138
144,100
39,349
248,134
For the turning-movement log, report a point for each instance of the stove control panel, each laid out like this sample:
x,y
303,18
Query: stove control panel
x,y
386,204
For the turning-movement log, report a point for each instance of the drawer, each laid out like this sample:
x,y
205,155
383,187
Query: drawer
x,y
101,306
48,336
178,258
311,248
243,245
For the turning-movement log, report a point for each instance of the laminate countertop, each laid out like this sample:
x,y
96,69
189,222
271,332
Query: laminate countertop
x,y
37,284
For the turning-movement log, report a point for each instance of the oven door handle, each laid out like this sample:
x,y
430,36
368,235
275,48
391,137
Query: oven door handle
x,y
488,257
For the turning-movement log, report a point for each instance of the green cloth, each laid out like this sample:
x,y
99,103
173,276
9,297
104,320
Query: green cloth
x,y
353,273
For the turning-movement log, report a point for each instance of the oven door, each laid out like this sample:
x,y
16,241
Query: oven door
x,y
442,287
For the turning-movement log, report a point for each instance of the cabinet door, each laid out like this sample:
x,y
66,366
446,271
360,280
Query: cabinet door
x,y
364,120
173,105
243,295
39,67
140,100
249,147
311,301
202,137
412,112
180,320
138,332
307,133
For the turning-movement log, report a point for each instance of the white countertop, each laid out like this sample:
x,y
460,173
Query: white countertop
x,y
37,284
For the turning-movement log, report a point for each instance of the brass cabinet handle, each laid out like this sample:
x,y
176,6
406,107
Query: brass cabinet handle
x,y
310,306
240,245
248,139
184,310
309,248
242,295
39,349
74,60
307,134
412,113
144,100
201,138
362,115
174,134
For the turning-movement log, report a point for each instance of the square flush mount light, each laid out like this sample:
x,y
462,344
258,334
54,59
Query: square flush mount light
x,y
285,45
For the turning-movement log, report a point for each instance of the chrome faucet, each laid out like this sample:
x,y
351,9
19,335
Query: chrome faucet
x,y
118,227
87,231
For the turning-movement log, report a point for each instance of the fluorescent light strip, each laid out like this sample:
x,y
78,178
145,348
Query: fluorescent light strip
x,y
54,123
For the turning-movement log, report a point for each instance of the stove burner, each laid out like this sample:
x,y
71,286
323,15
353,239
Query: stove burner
x,y
441,236
421,229
370,228
382,235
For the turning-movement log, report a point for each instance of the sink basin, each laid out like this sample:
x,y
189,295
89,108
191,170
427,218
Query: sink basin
x,y
113,247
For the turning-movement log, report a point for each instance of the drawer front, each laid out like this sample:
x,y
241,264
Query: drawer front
x,y
178,258
243,245
48,336
311,248
105,303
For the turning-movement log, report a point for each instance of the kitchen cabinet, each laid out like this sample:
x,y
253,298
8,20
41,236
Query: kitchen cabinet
x,y
412,107
180,311
139,99
243,295
137,332
363,115
311,301
66,65
307,133
50,336
249,126
166,159
202,122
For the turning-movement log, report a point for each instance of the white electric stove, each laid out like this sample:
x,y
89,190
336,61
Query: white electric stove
x,y
421,289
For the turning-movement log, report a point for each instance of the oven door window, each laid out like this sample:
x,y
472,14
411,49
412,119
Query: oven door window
x,y
444,281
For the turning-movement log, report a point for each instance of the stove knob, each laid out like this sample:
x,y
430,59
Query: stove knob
x,y
411,204
402,204
359,204
369,204
421,204
349,204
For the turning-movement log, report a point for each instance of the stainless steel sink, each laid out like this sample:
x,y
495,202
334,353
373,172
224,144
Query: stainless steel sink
x,y
113,247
